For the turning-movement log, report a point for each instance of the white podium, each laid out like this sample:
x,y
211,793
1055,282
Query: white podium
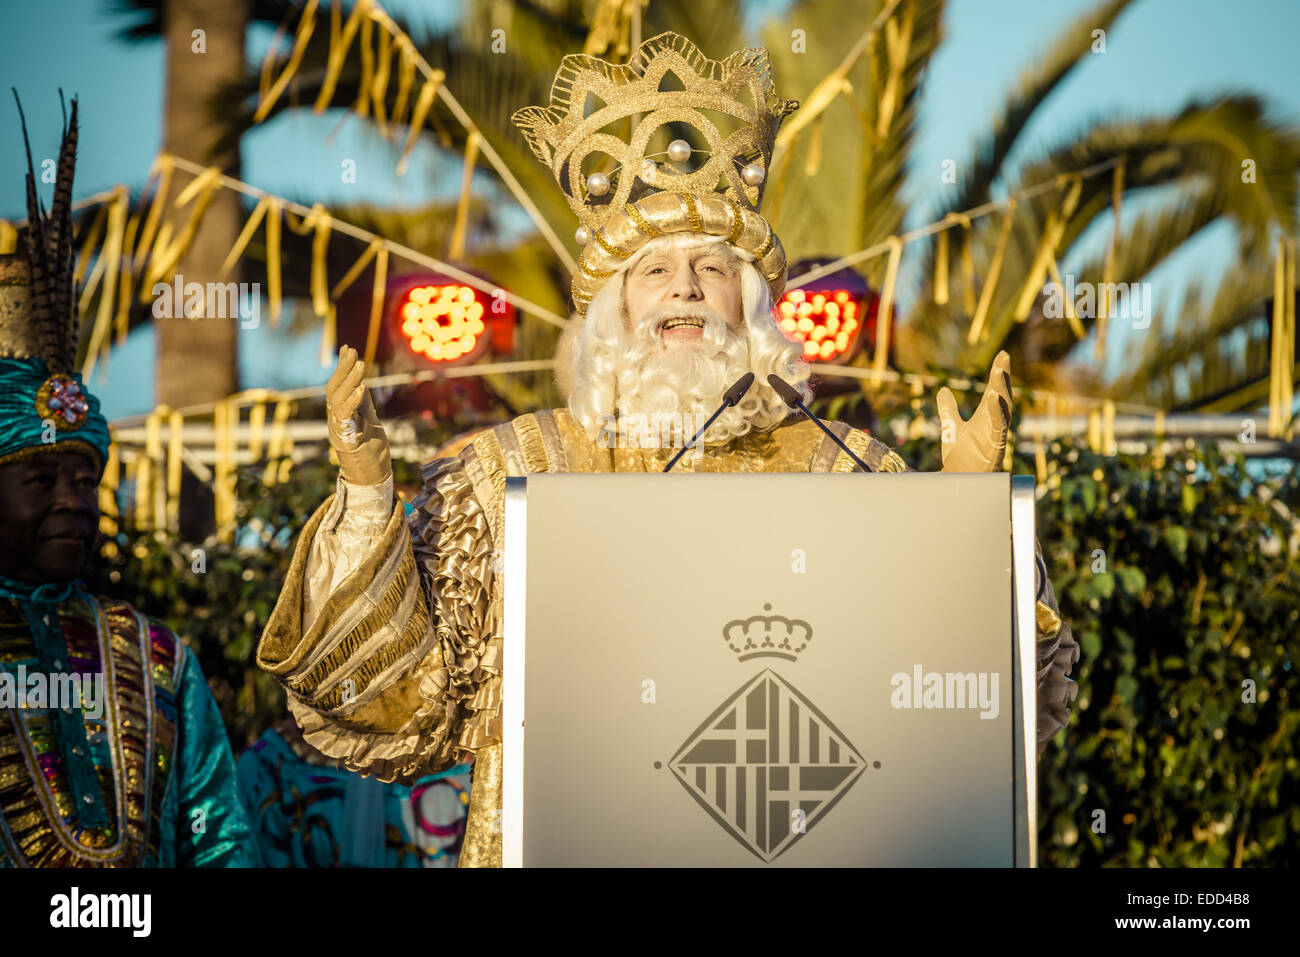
x,y
802,670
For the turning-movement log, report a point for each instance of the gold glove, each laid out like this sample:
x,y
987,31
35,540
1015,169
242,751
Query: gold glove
x,y
355,433
980,444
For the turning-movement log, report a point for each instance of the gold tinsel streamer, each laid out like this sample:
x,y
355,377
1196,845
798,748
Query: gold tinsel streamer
x,y
225,417
1158,443
813,164
1067,302
108,484
884,313
1040,454
1282,359
379,86
376,303
90,242
977,329
405,78
1276,344
274,209
1108,444
422,105
162,169
167,252
126,281
267,98
362,105
279,445
457,250
967,267
340,40
245,234
1288,370
256,423
110,265
1108,268
941,269
175,462
898,40
1046,253
318,223
150,502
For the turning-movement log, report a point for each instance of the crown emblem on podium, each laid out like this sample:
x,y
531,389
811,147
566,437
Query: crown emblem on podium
x,y
738,90
767,637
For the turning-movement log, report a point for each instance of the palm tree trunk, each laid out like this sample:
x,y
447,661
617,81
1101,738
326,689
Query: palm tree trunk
x,y
197,358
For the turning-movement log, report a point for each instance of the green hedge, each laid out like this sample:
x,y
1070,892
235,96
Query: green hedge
x,y
1198,593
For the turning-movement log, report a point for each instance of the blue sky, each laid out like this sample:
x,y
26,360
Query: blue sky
x,y
1160,55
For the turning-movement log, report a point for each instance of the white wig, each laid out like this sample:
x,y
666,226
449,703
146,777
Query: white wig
x,y
616,372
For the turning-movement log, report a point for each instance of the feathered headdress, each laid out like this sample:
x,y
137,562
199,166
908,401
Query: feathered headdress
x,y
43,403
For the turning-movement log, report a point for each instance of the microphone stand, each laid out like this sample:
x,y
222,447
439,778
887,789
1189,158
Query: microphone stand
x,y
791,396
732,397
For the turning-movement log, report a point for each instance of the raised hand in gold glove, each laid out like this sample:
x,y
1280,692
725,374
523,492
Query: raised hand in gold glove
x,y
980,444
355,433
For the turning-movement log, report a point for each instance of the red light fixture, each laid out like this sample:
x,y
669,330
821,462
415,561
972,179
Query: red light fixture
x,y
828,315
826,322
444,322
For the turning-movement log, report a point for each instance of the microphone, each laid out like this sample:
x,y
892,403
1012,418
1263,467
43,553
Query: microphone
x,y
788,392
730,398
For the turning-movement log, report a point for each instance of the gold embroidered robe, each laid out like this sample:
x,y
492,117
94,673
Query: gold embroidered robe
x,y
399,671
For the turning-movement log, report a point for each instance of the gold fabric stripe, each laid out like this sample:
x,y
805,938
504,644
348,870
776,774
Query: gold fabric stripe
x,y
737,220
593,273
643,224
406,643
377,618
866,448
510,450
766,248
893,462
559,461
609,250
692,212
482,844
532,445
827,451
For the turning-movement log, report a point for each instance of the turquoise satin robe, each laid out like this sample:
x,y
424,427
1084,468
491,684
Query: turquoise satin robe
x,y
128,766
309,811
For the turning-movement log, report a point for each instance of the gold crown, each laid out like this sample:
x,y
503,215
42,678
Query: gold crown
x,y
629,197
767,637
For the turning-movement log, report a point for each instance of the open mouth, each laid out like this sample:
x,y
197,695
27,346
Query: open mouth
x,y
681,323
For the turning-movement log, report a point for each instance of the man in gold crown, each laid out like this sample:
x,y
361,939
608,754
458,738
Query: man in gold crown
x,y
388,633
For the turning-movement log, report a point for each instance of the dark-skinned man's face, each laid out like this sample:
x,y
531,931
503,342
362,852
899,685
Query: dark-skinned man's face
x,y
49,516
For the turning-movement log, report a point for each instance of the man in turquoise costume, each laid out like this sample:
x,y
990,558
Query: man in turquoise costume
x,y
112,752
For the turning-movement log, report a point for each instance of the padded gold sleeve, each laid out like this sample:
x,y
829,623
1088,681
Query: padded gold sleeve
x,y
386,679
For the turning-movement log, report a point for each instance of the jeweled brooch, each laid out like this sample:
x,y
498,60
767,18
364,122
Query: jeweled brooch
x,y
60,398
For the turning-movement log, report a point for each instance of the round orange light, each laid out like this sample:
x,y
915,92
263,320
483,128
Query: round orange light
x,y
825,321
442,322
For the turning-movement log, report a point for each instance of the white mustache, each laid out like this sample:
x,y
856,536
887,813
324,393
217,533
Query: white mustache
x,y
714,326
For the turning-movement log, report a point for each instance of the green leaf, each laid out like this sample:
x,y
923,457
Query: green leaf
x,y
1131,579
1176,538
1091,643
1101,586
1189,498
1127,687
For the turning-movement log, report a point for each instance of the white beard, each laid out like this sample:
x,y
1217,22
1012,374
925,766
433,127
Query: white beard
x,y
675,387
